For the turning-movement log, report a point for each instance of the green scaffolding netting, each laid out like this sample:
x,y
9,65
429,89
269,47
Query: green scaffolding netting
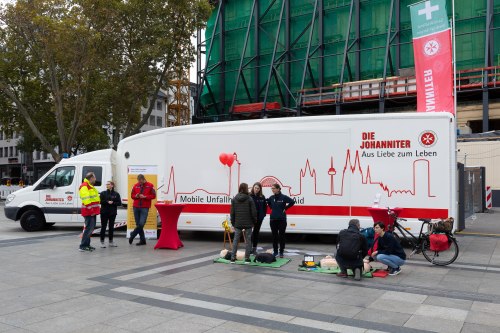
x,y
369,53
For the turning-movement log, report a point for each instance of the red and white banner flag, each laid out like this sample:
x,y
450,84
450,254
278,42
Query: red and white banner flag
x,y
433,56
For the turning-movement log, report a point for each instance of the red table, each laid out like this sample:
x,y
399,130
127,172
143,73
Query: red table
x,y
380,215
169,215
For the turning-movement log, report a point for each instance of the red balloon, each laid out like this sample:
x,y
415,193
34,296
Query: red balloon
x,y
229,159
223,158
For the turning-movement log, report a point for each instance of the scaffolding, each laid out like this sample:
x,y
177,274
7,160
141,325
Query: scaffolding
x,y
179,101
264,53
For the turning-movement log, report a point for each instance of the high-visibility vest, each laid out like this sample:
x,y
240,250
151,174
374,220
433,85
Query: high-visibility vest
x,y
91,201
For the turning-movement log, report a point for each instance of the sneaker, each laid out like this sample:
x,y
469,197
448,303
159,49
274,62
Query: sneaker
x,y
275,254
91,248
83,249
233,260
395,271
247,261
357,274
141,243
130,240
111,244
103,245
281,255
342,274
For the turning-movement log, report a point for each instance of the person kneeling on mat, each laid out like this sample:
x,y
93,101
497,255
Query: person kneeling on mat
x,y
389,251
351,249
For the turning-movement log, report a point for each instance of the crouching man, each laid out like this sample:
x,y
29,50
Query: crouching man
x,y
351,249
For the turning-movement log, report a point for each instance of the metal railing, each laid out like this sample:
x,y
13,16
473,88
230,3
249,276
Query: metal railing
x,y
395,87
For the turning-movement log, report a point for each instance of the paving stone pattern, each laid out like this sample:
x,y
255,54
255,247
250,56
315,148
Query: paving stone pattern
x,y
46,285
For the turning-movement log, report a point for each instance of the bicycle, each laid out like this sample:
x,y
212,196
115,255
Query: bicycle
x,y
422,243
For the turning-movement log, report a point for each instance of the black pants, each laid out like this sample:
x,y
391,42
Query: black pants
x,y
345,264
105,220
255,233
278,228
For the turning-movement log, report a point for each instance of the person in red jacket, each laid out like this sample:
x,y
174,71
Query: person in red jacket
x,y
142,194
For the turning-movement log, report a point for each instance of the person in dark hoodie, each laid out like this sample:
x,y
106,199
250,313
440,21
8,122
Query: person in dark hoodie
x,y
261,205
351,249
279,204
110,200
389,251
243,217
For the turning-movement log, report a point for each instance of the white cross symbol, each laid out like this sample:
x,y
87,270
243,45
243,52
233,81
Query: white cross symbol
x,y
428,10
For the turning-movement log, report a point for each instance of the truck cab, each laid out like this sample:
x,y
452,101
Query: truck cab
x,y
54,198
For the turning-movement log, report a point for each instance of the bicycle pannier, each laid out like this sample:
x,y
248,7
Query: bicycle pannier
x,y
443,225
439,242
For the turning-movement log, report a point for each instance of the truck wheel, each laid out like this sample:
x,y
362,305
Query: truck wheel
x,y
32,220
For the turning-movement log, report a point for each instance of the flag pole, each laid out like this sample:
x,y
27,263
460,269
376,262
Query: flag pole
x,y
454,60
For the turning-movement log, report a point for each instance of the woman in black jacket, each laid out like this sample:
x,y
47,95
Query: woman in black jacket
x,y
243,217
110,200
389,251
260,203
279,204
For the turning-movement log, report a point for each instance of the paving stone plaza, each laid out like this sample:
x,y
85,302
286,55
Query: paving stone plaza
x,y
46,285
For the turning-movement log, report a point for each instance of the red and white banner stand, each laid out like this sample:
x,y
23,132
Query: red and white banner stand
x,y
433,56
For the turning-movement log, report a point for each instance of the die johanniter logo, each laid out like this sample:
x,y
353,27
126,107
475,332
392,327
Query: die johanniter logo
x,y
431,47
427,139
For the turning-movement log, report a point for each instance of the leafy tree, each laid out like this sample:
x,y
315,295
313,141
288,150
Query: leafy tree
x,y
67,67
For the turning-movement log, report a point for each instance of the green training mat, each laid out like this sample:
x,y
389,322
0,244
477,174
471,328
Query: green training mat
x,y
278,263
334,271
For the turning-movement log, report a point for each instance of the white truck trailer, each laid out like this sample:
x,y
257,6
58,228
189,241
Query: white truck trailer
x,y
332,166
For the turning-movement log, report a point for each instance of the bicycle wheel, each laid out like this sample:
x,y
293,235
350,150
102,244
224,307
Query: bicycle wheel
x,y
440,258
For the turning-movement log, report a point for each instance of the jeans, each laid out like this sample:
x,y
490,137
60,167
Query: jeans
x,y
89,228
248,242
278,228
105,220
140,215
390,260
255,233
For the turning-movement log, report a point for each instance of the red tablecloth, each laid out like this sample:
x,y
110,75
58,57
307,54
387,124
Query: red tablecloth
x,y
380,215
169,215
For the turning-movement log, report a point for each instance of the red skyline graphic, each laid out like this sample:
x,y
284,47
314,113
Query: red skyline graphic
x,y
354,167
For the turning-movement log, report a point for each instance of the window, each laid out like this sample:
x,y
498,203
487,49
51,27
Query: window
x,y
1,152
1,135
159,121
97,170
159,105
6,152
152,120
16,152
44,155
59,177
11,151
37,155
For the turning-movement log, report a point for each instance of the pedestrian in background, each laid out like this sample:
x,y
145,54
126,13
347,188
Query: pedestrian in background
x,y
243,217
89,210
279,204
261,205
110,201
142,194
